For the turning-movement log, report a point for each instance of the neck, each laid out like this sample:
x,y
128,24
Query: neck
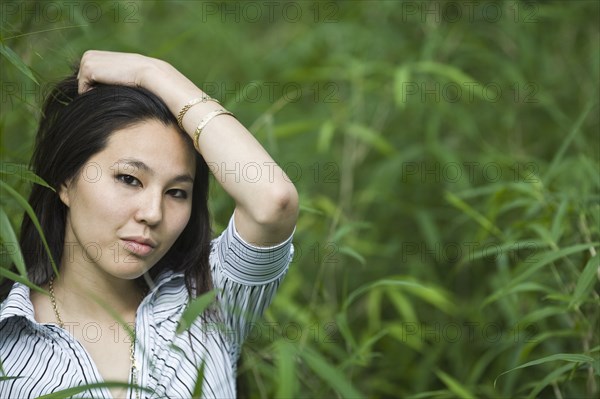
x,y
89,293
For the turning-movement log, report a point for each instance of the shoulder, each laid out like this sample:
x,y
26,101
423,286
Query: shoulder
x,y
17,322
17,303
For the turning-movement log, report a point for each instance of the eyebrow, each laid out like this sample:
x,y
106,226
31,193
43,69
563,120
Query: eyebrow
x,y
137,164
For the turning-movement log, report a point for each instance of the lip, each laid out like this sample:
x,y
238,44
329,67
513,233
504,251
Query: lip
x,y
139,245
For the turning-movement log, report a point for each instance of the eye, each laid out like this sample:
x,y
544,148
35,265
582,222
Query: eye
x,y
177,193
128,180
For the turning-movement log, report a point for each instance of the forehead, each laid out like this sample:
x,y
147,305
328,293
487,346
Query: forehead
x,y
160,147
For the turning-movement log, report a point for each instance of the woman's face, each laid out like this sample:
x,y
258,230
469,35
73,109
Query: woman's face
x,y
131,200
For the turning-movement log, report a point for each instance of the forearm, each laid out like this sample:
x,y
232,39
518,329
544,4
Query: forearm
x,y
262,192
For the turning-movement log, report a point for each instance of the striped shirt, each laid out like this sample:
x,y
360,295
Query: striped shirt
x,y
48,358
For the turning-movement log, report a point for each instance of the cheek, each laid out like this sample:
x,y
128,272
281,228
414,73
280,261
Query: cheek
x,y
179,220
92,207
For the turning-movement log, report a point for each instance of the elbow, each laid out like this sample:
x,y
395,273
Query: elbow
x,y
280,207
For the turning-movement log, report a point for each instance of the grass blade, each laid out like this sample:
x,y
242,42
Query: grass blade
x,y
23,280
567,357
586,281
457,388
329,373
14,59
551,377
475,215
197,394
401,81
548,257
287,386
23,173
8,236
567,141
371,137
448,71
195,309
25,205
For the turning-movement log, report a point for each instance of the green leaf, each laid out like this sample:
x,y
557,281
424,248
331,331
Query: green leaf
x,y
459,390
586,281
25,205
353,254
8,378
439,394
432,295
541,314
527,286
329,373
374,308
23,280
197,394
14,59
478,217
558,224
428,227
23,172
371,137
408,334
403,305
558,155
379,283
308,209
531,267
325,137
451,73
348,228
293,128
435,296
502,248
7,236
548,379
287,386
344,329
544,234
401,81
363,354
196,307
567,357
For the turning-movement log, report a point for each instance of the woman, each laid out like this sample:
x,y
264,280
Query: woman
x,y
129,229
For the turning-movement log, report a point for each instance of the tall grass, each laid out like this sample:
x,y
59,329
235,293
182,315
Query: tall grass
x,y
448,170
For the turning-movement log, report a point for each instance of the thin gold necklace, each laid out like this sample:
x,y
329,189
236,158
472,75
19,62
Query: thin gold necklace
x,y
134,369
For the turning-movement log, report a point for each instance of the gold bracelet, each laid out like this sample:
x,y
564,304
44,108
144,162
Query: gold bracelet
x,y
205,121
189,105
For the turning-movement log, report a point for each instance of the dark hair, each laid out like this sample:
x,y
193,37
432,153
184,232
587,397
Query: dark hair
x,y
73,128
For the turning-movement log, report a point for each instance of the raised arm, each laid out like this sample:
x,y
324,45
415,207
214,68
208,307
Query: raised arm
x,y
266,200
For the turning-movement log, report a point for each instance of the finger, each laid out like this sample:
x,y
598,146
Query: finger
x,y
83,86
85,81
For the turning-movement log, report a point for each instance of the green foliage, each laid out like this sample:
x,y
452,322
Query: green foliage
x,y
194,310
448,170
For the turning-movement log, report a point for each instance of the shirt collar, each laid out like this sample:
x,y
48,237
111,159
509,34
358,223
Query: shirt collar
x,y
18,302
163,278
169,296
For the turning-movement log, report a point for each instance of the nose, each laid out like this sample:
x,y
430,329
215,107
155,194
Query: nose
x,y
150,210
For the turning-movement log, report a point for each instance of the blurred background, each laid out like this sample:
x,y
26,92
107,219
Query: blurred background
x,y
447,157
